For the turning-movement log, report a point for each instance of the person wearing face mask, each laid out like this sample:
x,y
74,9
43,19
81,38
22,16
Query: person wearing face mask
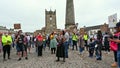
x,y
6,41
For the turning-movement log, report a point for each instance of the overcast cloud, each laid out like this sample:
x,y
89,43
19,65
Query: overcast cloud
x,y
31,13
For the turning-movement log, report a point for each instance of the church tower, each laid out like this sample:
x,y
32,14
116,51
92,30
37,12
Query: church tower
x,y
70,17
50,21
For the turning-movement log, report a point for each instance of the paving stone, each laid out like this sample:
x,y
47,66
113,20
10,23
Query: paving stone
x,y
48,60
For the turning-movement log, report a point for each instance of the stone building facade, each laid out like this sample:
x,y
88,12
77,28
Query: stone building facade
x,y
50,21
93,29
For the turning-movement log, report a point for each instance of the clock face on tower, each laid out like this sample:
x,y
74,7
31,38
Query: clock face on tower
x,y
50,17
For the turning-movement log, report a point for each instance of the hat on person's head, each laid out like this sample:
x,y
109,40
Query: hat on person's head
x,y
117,25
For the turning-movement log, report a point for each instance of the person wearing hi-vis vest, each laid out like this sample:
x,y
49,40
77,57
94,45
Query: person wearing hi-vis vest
x,y
74,39
6,42
85,37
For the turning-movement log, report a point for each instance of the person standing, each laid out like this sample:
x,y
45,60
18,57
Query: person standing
x,y
29,43
53,44
106,42
85,37
74,39
60,53
39,43
81,44
20,45
114,51
44,42
117,28
66,36
98,47
70,40
6,41
13,40
25,43
91,47
0,42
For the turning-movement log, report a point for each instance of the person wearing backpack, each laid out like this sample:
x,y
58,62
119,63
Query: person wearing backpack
x,y
20,45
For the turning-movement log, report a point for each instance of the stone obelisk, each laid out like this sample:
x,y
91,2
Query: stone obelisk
x,y
70,16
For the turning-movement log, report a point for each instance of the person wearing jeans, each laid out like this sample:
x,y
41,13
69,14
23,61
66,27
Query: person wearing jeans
x,y
98,47
66,49
65,43
117,28
118,58
70,40
98,50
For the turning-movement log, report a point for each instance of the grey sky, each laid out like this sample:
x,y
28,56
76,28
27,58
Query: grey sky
x,y
31,13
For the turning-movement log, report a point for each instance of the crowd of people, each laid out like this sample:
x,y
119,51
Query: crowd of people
x,y
59,43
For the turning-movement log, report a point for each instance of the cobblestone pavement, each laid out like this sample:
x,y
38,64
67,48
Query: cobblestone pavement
x,y
48,61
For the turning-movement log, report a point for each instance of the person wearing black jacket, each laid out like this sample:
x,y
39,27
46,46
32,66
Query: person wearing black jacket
x,y
98,46
20,45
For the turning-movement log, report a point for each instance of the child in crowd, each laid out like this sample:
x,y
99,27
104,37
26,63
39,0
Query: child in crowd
x,y
91,47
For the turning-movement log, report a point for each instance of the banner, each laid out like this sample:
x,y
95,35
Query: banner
x,y
112,20
17,26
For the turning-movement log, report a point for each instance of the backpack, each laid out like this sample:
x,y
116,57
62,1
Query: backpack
x,y
113,46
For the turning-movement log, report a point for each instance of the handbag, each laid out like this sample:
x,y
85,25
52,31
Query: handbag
x,y
113,46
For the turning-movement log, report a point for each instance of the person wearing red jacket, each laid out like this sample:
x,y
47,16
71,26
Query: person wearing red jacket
x,y
39,43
